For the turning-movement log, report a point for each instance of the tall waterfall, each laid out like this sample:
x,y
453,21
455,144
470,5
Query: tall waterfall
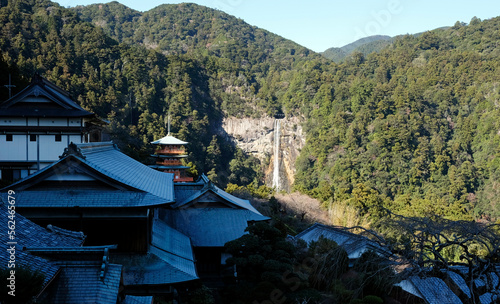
x,y
276,168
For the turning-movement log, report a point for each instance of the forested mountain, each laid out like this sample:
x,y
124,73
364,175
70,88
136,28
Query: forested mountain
x,y
364,45
413,128
254,64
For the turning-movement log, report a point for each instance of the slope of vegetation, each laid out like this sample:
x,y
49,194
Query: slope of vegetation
x,y
413,128
131,86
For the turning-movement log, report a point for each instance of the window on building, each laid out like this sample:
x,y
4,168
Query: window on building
x,y
8,137
58,137
32,137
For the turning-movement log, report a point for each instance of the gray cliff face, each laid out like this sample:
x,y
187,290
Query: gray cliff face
x,y
256,136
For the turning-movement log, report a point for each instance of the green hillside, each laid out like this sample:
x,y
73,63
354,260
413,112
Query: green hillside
x,y
413,128
131,86
249,59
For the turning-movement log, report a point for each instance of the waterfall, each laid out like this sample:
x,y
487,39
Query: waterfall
x,y
276,169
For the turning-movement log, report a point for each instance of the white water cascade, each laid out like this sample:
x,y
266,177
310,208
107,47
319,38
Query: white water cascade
x,y
276,168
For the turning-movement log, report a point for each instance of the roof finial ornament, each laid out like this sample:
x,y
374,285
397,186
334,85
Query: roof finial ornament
x,y
37,78
72,149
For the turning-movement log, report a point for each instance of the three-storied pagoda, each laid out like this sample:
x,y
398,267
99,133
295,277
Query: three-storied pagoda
x,y
169,154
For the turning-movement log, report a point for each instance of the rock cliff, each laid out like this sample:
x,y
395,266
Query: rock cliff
x,y
256,136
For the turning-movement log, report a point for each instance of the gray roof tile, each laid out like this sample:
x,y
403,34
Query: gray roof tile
x,y
170,240
138,300
189,193
151,187
213,227
353,243
149,269
106,158
29,234
80,284
86,198
434,290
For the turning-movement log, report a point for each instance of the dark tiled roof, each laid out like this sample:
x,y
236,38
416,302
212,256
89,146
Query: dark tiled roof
x,y
28,234
147,187
80,283
87,198
213,227
459,281
138,300
488,298
66,232
354,244
185,190
60,105
192,194
106,158
170,240
432,290
161,167
170,259
149,269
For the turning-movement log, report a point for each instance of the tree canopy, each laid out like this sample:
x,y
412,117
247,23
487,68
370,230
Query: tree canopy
x,y
413,127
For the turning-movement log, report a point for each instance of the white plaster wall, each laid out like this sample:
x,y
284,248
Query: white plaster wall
x,y
49,148
76,122
32,121
14,150
59,122
8,121
32,146
77,139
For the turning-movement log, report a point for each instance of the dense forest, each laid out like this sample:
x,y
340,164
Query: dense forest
x,y
412,128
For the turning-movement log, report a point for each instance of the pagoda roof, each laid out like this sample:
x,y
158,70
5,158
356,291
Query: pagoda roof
x,y
42,99
169,140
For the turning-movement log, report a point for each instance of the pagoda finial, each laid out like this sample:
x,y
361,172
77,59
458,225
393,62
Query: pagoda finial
x,y
167,121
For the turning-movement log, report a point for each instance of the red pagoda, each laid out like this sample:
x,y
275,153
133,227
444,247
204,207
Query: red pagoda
x,y
169,154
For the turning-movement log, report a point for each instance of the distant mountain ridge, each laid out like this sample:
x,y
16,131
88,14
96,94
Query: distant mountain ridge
x,y
364,45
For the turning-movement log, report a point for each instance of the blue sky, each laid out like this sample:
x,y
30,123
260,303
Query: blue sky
x,y
320,24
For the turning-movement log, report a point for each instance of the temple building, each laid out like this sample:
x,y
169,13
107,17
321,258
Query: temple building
x,y
37,124
166,234
156,229
169,154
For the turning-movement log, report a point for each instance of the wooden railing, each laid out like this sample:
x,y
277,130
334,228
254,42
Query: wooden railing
x,y
183,179
171,151
170,163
